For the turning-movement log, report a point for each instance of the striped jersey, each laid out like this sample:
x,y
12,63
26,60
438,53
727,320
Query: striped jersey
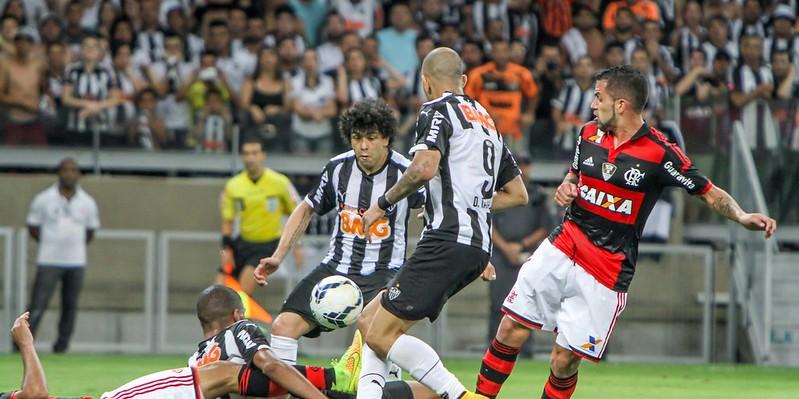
x,y
95,85
474,163
237,343
343,186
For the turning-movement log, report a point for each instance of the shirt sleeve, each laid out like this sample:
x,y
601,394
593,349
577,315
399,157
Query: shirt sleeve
x,y
93,220
36,212
679,171
433,130
507,168
322,197
250,339
226,204
575,166
529,87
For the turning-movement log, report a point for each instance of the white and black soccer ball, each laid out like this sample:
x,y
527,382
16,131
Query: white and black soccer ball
x,y
336,302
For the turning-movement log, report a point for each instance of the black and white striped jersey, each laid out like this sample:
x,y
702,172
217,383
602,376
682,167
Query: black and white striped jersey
x,y
474,163
95,85
237,343
345,187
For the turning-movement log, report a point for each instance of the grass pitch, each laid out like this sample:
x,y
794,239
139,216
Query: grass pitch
x,y
74,375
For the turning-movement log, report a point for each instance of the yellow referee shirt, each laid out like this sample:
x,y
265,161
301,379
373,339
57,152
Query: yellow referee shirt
x,y
260,205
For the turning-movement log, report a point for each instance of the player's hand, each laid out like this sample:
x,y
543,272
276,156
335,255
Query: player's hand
x,y
21,331
490,273
565,194
370,217
266,267
759,222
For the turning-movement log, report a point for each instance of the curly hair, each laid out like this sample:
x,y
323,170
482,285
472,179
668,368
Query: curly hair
x,y
365,116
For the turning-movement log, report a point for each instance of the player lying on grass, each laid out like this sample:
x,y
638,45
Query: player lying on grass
x,y
210,381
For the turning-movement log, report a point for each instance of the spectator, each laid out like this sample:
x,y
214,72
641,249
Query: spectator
x,y
178,24
549,78
34,11
752,79
515,235
237,25
626,26
523,24
213,127
147,129
690,36
21,82
74,32
232,65
286,27
256,26
484,11
150,39
556,18
313,106
312,14
356,82
424,45
432,17
330,55
614,54
584,37
494,31
50,29
718,39
696,113
398,42
122,31
362,16
16,9
107,13
783,36
62,219
472,55
8,30
785,82
54,91
643,9
130,82
502,87
750,22
205,78
265,97
662,62
171,78
658,86
572,108
518,52
450,36
289,57
89,103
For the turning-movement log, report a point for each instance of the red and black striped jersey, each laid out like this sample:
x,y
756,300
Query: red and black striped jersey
x,y
617,189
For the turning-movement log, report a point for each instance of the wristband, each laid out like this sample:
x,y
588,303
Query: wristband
x,y
383,203
227,242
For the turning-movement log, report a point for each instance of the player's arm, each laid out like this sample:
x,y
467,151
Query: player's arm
x,y
421,170
34,383
511,195
285,375
725,205
228,212
294,229
567,191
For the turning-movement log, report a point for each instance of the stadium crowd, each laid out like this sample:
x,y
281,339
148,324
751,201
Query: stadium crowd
x,y
190,74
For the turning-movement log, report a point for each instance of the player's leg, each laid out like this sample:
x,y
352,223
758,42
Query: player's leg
x,y
562,379
533,303
248,257
374,370
296,318
43,287
71,283
247,279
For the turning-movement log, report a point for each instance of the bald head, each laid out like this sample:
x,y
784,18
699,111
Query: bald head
x,y
443,64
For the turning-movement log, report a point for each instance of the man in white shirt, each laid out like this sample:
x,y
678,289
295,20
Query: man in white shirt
x,y
62,219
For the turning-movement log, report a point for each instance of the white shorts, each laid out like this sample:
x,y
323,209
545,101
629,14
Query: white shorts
x,y
555,294
169,384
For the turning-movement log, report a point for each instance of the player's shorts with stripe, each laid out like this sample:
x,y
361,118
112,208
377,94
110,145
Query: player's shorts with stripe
x,y
169,384
299,301
435,272
553,293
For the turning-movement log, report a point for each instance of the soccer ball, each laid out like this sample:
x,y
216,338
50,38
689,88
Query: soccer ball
x,y
336,302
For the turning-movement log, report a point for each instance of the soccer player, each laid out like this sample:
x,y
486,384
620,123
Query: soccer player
x,y
260,197
349,183
576,282
468,173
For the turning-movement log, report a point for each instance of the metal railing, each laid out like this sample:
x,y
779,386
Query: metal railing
x,y
752,255
8,266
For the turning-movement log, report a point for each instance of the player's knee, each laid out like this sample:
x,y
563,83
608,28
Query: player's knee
x,y
512,333
378,342
363,323
284,326
564,363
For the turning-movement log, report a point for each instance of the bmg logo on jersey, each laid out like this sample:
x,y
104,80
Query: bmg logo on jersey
x,y
351,223
605,200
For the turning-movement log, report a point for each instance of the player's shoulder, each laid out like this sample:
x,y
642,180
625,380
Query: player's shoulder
x,y
237,180
440,102
590,131
340,158
398,160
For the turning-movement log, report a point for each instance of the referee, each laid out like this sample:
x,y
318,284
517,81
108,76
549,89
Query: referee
x,y
259,197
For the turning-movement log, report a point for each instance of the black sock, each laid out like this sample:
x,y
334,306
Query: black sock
x,y
397,390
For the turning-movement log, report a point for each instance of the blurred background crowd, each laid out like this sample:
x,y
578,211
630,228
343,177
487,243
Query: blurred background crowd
x,y
192,74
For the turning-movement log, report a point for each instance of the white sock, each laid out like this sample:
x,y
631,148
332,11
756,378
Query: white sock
x,y
423,363
285,348
373,375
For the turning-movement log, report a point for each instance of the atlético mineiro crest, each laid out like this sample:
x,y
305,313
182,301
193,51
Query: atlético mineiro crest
x,y
633,176
393,293
608,169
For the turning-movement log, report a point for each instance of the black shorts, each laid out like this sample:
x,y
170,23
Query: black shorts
x,y
299,301
436,271
250,253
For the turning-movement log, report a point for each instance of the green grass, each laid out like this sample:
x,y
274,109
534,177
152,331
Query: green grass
x,y
94,374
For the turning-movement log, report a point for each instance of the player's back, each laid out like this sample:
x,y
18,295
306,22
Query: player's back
x,y
237,343
474,163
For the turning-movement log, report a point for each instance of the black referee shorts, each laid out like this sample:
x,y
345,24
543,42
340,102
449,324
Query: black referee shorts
x,y
248,253
299,301
436,271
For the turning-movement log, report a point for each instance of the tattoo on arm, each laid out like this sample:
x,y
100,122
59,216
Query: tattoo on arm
x,y
726,206
410,181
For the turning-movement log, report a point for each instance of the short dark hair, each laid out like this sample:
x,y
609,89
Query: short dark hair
x,y
614,44
252,139
368,115
782,51
63,162
217,23
285,9
626,82
216,303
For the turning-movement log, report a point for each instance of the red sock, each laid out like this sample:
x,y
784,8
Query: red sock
x,y
497,365
254,383
559,388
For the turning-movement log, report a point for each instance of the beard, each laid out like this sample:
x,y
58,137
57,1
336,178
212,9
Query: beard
x,y
606,126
